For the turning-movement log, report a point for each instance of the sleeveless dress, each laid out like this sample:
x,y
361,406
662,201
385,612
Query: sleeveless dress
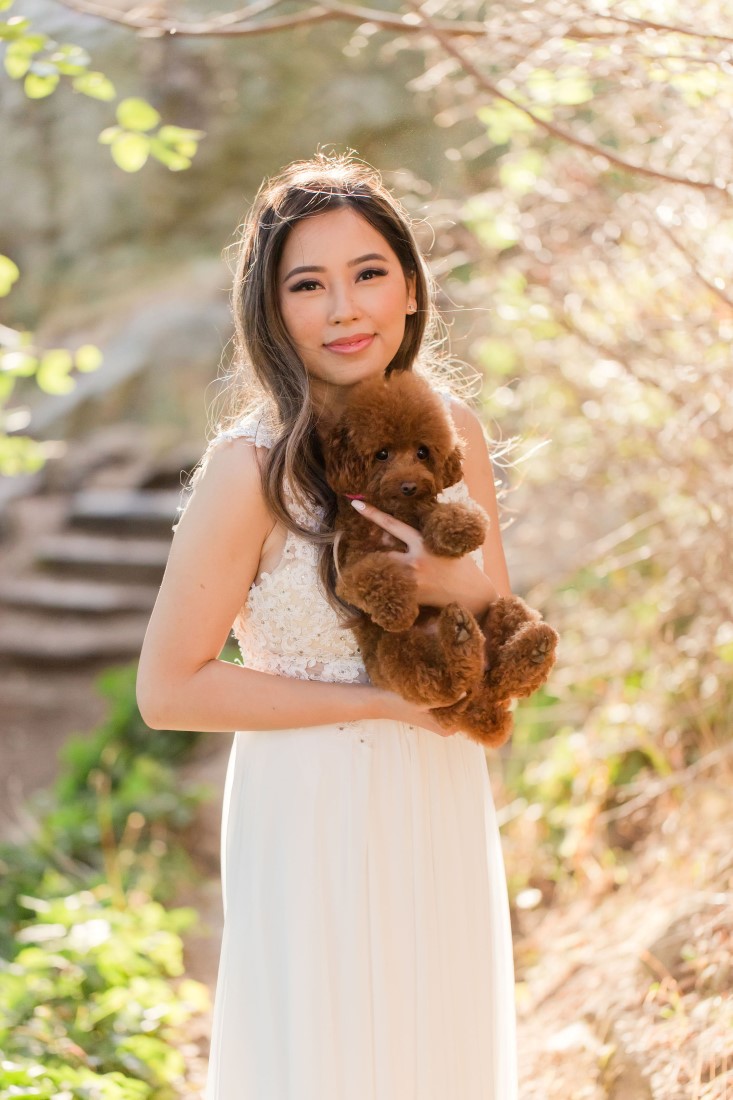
x,y
367,951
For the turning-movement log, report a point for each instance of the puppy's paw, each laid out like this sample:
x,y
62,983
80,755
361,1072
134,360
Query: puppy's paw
x,y
390,602
452,530
544,646
457,626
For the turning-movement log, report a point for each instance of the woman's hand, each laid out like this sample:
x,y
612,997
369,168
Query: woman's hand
x,y
394,707
440,580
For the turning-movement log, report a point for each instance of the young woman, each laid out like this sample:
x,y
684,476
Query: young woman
x,y
367,952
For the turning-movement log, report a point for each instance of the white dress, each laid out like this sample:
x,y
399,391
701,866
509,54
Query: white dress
x,y
367,950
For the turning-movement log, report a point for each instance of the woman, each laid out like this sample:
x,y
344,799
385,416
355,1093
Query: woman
x,y
367,951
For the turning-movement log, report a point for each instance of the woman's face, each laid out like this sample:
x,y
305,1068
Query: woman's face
x,y
343,297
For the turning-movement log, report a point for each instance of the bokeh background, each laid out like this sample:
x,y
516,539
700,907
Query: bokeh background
x,y
569,169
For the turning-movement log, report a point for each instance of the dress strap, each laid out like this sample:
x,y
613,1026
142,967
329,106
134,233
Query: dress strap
x,y
253,426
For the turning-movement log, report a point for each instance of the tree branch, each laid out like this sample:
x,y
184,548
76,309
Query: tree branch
x,y
241,22
154,26
550,127
665,28
719,294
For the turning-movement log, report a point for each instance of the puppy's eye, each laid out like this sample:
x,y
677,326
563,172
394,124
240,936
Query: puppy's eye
x,y
422,452
382,455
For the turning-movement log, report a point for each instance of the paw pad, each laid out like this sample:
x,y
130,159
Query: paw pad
x,y
461,624
540,651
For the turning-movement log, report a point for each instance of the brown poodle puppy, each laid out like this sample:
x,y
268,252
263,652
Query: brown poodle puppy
x,y
396,447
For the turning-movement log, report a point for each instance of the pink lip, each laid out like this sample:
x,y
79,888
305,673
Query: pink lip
x,y
354,343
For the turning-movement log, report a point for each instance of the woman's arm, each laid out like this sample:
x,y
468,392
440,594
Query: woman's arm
x,y
478,474
213,560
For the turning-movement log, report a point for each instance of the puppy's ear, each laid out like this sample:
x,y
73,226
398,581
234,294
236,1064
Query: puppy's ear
x,y
335,444
344,466
452,469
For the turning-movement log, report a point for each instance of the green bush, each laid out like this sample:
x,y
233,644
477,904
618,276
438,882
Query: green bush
x,y
93,1001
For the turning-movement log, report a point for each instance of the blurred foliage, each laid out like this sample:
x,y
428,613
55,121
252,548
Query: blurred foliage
x,y
592,275
41,63
92,999
44,65
53,371
593,261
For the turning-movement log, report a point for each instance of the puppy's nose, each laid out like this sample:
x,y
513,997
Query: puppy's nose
x,y
409,488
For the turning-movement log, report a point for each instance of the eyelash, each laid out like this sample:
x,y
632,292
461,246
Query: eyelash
x,y
313,282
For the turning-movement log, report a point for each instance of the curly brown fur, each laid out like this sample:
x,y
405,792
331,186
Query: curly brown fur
x,y
397,448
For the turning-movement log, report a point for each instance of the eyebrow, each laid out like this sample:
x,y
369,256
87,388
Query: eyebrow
x,y
351,263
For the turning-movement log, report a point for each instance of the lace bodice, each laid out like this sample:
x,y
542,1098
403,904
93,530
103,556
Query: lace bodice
x,y
286,625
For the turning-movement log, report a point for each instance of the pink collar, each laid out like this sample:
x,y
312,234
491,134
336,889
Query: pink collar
x,y
355,496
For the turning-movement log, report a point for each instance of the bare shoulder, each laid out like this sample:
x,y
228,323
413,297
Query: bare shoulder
x,y
230,477
469,426
227,496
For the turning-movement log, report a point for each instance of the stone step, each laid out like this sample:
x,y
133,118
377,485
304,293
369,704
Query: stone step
x,y
129,510
54,594
36,639
106,558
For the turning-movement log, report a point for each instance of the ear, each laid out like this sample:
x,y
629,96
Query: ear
x,y
344,466
452,468
411,282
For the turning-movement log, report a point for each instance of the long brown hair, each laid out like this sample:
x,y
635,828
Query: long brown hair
x,y
267,371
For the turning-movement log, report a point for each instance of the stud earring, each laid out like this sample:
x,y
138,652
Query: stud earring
x,y
411,308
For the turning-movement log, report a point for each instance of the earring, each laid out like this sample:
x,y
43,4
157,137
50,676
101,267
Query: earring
x,y
411,307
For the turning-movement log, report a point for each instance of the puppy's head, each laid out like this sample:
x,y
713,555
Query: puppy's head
x,y
395,445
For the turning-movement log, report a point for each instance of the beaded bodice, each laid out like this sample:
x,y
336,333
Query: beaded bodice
x,y
286,625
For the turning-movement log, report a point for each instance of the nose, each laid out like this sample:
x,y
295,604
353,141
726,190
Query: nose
x,y
408,488
343,306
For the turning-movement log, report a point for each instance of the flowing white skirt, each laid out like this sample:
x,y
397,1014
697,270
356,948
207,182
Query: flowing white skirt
x,y
367,949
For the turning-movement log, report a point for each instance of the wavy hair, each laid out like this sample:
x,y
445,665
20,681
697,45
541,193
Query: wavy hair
x,y
268,374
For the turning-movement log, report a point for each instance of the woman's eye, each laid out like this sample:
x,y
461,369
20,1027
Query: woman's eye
x,y
306,284
382,455
370,271
422,452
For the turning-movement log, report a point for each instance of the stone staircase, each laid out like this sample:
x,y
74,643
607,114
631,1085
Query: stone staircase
x,y
82,553
88,588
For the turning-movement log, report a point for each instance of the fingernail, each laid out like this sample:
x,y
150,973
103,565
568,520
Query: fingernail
x,y
359,505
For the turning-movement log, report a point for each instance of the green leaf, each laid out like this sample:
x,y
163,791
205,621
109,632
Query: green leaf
x,y
70,59
504,120
172,159
14,28
151,1058
9,274
108,135
28,44
137,114
493,228
87,358
19,54
181,140
16,67
36,87
173,135
96,85
53,371
130,151
498,356
519,174
19,455
7,385
5,4
18,363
